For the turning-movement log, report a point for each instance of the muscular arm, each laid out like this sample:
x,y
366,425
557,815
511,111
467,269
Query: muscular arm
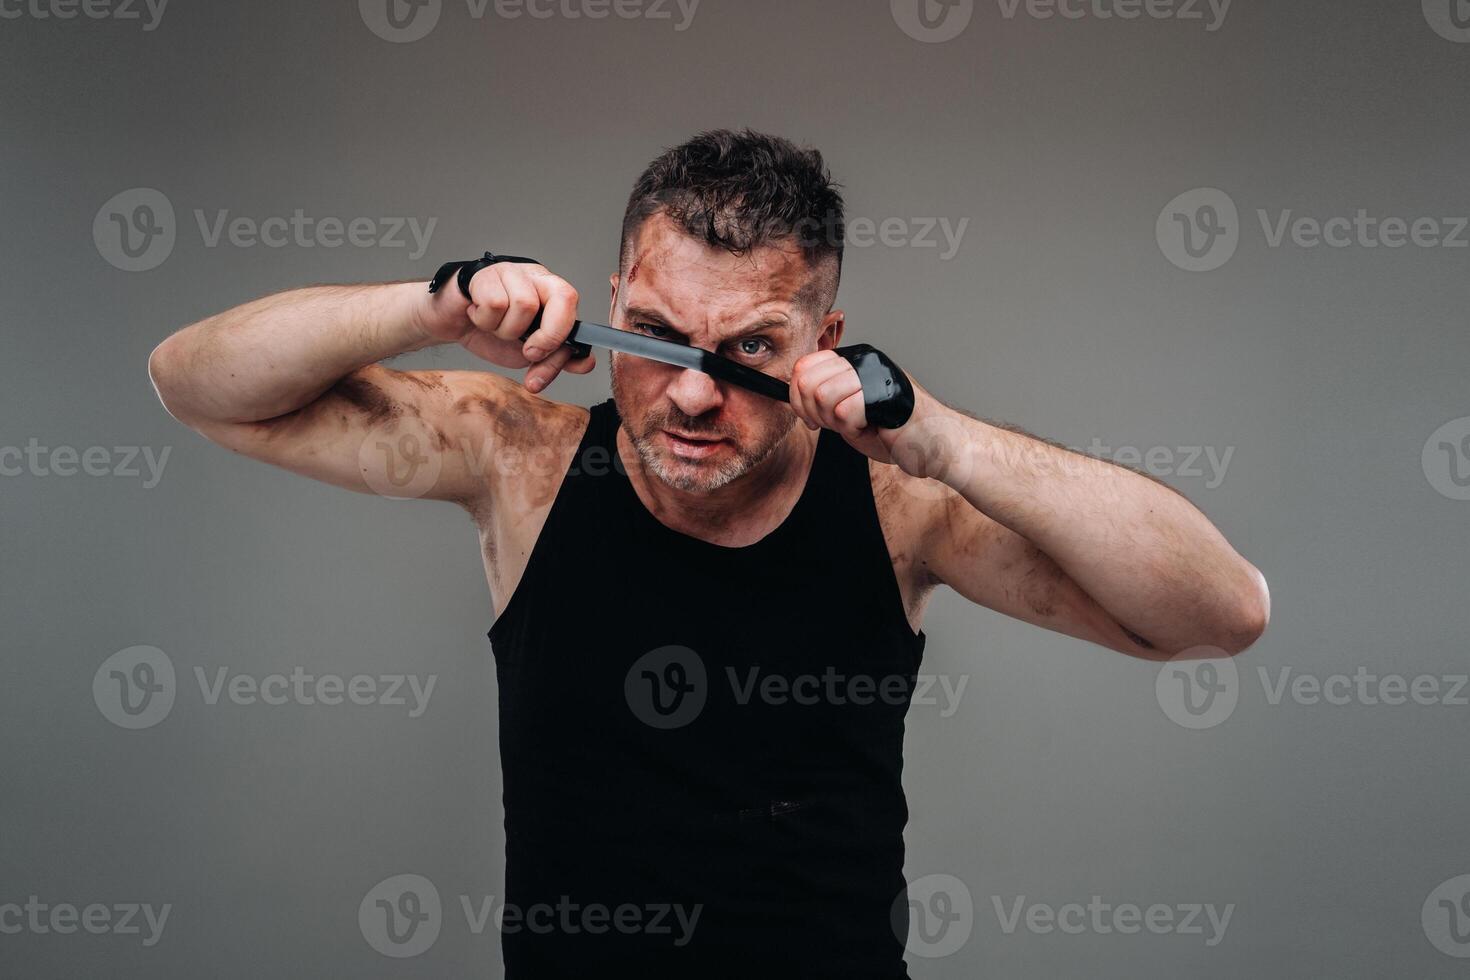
x,y
292,379
1084,547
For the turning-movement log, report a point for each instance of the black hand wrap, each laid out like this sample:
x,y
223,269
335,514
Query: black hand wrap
x,y
464,270
888,396
467,269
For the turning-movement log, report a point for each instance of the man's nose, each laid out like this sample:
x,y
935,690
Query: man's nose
x,y
694,393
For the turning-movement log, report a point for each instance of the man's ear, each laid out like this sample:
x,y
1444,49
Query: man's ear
x,y
829,334
612,303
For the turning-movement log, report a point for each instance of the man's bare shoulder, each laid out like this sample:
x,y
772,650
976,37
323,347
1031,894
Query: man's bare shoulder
x,y
513,415
518,442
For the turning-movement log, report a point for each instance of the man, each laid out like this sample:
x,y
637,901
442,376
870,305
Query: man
x,y
708,615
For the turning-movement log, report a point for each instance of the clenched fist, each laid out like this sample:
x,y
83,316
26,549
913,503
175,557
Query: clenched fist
x,y
504,299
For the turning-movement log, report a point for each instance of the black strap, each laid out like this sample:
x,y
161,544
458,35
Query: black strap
x,y
467,269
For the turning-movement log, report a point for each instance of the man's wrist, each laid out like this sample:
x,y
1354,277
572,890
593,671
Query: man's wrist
x,y
437,318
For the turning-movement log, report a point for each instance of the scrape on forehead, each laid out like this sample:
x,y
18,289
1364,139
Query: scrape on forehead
x,y
664,257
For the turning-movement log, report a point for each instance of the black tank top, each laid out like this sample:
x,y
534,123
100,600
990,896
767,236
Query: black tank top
x,y
688,729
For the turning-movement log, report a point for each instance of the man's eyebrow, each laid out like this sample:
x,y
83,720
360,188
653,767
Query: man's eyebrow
x,y
645,313
774,321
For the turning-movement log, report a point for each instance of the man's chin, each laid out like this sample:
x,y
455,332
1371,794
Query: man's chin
x,y
692,476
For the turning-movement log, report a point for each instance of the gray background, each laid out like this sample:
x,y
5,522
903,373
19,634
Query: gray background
x,y
1060,776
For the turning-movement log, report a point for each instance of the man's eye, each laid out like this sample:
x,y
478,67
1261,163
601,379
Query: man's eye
x,y
654,330
753,346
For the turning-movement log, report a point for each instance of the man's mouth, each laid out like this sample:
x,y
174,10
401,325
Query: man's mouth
x,y
691,446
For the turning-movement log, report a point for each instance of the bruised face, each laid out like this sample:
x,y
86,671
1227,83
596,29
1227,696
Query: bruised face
x,y
693,432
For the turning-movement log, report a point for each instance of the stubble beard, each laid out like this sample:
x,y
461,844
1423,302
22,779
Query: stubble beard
x,y
684,475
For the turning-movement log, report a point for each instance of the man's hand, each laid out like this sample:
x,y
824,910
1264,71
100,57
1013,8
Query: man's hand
x,y
505,298
827,393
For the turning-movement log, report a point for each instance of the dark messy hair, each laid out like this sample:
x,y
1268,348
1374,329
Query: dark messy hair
x,y
742,190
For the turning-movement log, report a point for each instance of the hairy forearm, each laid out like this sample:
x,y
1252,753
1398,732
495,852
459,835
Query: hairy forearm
x,y
1143,552
275,354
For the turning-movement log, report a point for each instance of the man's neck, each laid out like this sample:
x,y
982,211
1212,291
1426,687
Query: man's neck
x,y
742,511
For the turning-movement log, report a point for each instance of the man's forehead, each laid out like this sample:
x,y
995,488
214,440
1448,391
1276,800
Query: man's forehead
x,y
673,270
